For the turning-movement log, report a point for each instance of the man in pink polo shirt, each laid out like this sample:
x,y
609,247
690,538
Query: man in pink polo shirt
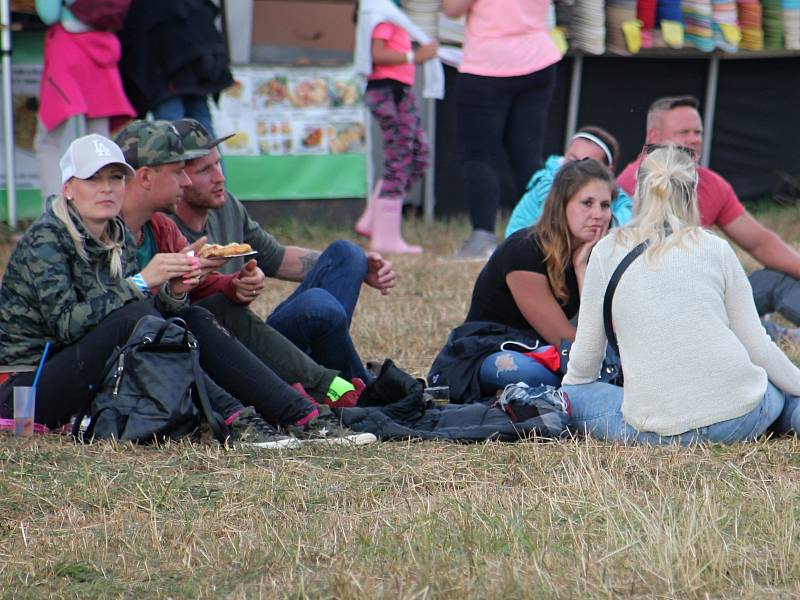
x,y
776,288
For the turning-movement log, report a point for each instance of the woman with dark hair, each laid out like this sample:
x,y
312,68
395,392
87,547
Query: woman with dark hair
x,y
588,142
529,289
698,364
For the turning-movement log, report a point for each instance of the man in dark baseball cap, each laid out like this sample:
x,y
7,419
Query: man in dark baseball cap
x,y
330,282
150,143
158,153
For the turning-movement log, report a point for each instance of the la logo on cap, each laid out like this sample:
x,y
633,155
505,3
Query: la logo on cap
x,y
101,149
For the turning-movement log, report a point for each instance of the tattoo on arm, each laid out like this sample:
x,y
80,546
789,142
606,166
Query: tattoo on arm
x,y
307,262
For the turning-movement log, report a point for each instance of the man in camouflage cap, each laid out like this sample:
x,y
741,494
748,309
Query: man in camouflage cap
x,y
317,315
150,143
156,151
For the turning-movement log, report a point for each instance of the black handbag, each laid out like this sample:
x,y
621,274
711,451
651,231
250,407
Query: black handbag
x,y
154,389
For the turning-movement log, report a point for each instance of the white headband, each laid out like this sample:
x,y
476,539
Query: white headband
x,y
598,141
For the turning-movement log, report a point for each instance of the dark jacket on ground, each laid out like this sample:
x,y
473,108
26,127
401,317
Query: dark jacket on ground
x,y
459,362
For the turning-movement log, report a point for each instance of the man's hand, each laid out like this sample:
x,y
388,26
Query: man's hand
x,y
207,265
248,282
380,274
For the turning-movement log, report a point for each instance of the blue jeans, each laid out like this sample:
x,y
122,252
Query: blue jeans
x,y
502,368
190,106
597,410
316,317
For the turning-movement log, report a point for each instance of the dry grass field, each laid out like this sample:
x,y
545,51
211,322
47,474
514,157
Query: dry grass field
x,y
573,519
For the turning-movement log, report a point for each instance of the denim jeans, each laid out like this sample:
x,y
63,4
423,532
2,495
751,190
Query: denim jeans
x,y
774,291
597,410
189,106
502,368
316,316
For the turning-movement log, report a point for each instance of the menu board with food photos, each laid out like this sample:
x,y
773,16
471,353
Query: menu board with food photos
x,y
292,111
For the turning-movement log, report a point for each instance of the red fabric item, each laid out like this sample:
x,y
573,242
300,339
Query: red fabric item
x,y
170,239
549,357
716,199
646,13
3,377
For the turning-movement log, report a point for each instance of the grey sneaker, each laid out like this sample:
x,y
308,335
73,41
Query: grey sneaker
x,y
479,246
251,430
327,429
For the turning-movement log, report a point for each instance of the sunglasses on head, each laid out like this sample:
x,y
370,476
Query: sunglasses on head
x,y
650,148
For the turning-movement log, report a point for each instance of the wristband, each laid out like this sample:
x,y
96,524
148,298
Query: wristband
x,y
140,283
410,57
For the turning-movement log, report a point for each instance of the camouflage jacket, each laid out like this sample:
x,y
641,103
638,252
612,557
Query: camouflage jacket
x,y
50,293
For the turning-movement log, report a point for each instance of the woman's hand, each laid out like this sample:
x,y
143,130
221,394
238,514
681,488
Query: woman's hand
x,y
168,267
580,256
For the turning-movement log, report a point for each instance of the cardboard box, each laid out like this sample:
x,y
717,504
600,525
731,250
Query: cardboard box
x,y
312,24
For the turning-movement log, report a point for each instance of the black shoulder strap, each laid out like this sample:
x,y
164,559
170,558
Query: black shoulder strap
x,y
612,287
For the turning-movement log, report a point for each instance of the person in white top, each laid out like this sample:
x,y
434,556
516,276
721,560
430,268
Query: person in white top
x,y
698,364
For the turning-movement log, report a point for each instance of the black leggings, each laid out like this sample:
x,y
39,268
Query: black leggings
x,y
499,115
74,374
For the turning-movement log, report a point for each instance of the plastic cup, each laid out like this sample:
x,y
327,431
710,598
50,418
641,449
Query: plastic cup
x,y
439,395
24,408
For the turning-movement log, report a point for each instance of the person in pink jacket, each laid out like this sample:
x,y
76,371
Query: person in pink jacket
x,y
80,88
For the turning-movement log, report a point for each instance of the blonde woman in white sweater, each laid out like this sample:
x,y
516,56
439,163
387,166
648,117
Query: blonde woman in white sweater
x,y
698,364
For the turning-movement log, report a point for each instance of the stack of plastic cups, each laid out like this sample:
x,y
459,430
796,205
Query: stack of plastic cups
x,y
791,24
697,18
646,13
750,22
424,14
589,26
667,10
772,21
617,12
724,13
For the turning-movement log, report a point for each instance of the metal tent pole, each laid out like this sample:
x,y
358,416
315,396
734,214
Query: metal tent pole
x,y
574,98
8,113
429,200
710,108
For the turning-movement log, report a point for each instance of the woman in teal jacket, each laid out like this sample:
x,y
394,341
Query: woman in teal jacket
x,y
588,142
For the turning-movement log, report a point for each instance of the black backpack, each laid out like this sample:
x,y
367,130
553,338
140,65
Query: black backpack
x,y
103,15
154,389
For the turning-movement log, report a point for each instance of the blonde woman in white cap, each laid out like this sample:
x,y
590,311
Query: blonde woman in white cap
x,y
73,280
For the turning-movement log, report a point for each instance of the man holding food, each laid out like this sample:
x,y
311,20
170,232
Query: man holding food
x,y
316,316
155,150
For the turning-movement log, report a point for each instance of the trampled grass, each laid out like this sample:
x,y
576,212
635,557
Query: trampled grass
x,y
571,519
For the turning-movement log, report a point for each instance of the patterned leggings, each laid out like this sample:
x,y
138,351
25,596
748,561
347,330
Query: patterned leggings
x,y
406,153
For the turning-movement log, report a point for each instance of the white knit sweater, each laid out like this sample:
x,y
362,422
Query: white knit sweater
x,y
692,346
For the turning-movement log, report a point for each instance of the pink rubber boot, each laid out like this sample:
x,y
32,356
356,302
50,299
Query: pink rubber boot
x,y
386,235
365,221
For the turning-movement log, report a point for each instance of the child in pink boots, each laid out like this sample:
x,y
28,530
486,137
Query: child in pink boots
x,y
406,151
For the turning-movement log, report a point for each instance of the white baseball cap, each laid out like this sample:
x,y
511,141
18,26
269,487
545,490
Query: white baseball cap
x,y
88,154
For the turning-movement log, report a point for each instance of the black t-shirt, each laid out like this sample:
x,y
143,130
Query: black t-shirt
x,y
491,296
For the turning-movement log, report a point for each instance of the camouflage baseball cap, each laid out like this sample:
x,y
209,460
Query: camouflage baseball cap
x,y
151,143
196,137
